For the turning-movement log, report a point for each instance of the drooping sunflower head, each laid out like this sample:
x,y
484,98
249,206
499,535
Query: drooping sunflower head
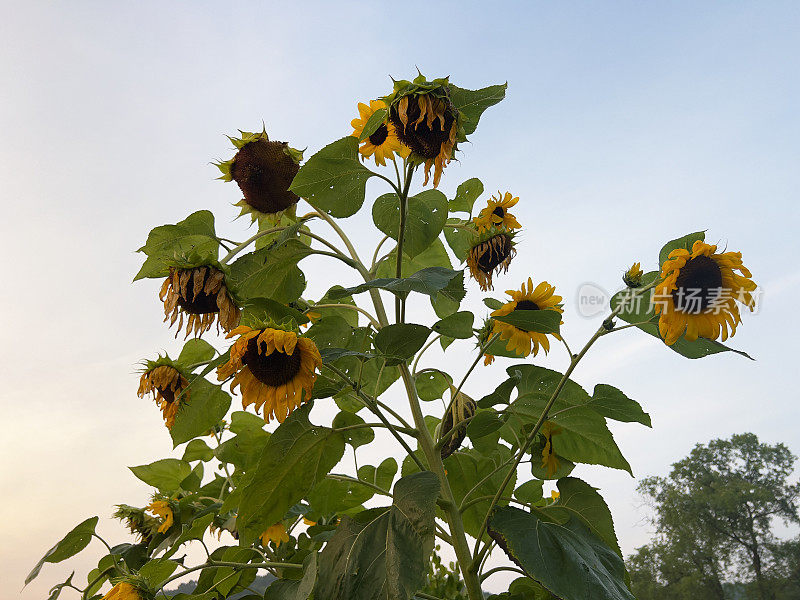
x,y
426,121
492,253
264,170
275,533
496,213
201,294
633,276
383,142
549,458
462,407
124,590
167,383
699,292
137,521
520,341
163,510
273,368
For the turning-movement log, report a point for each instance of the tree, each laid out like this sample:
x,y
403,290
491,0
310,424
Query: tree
x,y
715,511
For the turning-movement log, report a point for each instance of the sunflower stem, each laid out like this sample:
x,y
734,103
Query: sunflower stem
x,y
400,301
481,350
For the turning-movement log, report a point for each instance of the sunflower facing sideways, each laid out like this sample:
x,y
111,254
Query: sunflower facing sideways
x,y
383,142
496,213
123,591
167,384
200,294
491,253
527,298
698,293
275,533
273,368
163,510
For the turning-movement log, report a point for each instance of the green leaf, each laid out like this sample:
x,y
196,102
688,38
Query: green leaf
x,y
458,325
334,496
330,355
567,558
205,406
285,589
433,256
460,240
193,531
197,450
613,404
348,315
430,281
492,303
529,492
194,236
261,310
271,272
400,341
165,474
383,553
375,120
296,457
579,499
466,194
485,422
72,543
55,591
682,243
382,476
156,570
472,103
243,421
243,449
354,437
195,351
431,384
334,180
541,321
427,213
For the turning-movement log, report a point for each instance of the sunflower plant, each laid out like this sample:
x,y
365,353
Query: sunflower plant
x,y
265,488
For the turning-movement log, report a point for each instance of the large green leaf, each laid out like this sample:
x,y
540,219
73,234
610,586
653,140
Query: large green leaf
x,y
243,449
400,341
72,543
682,243
334,496
460,240
567,558
466,194
262,310
287,589
194,236
296,457
165,474
355,437
156,570
431,384
430,281
382,475
457,325
197,450
271,272
195,351
541,321
613,404
472,103
202,407
383,553
334,180
427,212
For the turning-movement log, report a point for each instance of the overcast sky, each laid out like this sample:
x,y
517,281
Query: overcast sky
x,y
626,124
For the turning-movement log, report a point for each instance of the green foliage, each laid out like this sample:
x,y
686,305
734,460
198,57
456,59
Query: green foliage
x,y
458,325
426,214
472,103
541,321
271,272
429,280
205,406
401,341
466,195
72,543
165,475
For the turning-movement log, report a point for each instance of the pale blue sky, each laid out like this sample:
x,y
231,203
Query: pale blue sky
x,y
626,124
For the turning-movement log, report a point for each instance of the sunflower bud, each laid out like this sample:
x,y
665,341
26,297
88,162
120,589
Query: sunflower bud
x,y
462,408
125,590
633,276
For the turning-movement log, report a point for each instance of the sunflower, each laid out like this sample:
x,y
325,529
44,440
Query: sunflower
x,y
549,459
633,276
123,591
201,293
698,293
426,121
166,384
276,533
554,495
264,170
137,521
383,143
273,368
163,510
541,298
492,253
496,214
462,408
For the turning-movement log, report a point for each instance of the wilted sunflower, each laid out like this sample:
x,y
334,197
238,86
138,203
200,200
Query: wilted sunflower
x,y
426,121
273,368
699,292
492,253
123,591
137,521
383,143
463,407
496,213
163,510
519,340
166,383
633,276
276,533
549,459
264,170
201,293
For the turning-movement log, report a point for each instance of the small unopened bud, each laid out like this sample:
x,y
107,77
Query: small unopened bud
x,y
633,276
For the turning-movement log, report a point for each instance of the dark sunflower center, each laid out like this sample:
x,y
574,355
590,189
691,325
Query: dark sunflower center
x,y
167,394
698,286
201,303
526,305
264,172
424,140
499,211
272,369
380,135
493,252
